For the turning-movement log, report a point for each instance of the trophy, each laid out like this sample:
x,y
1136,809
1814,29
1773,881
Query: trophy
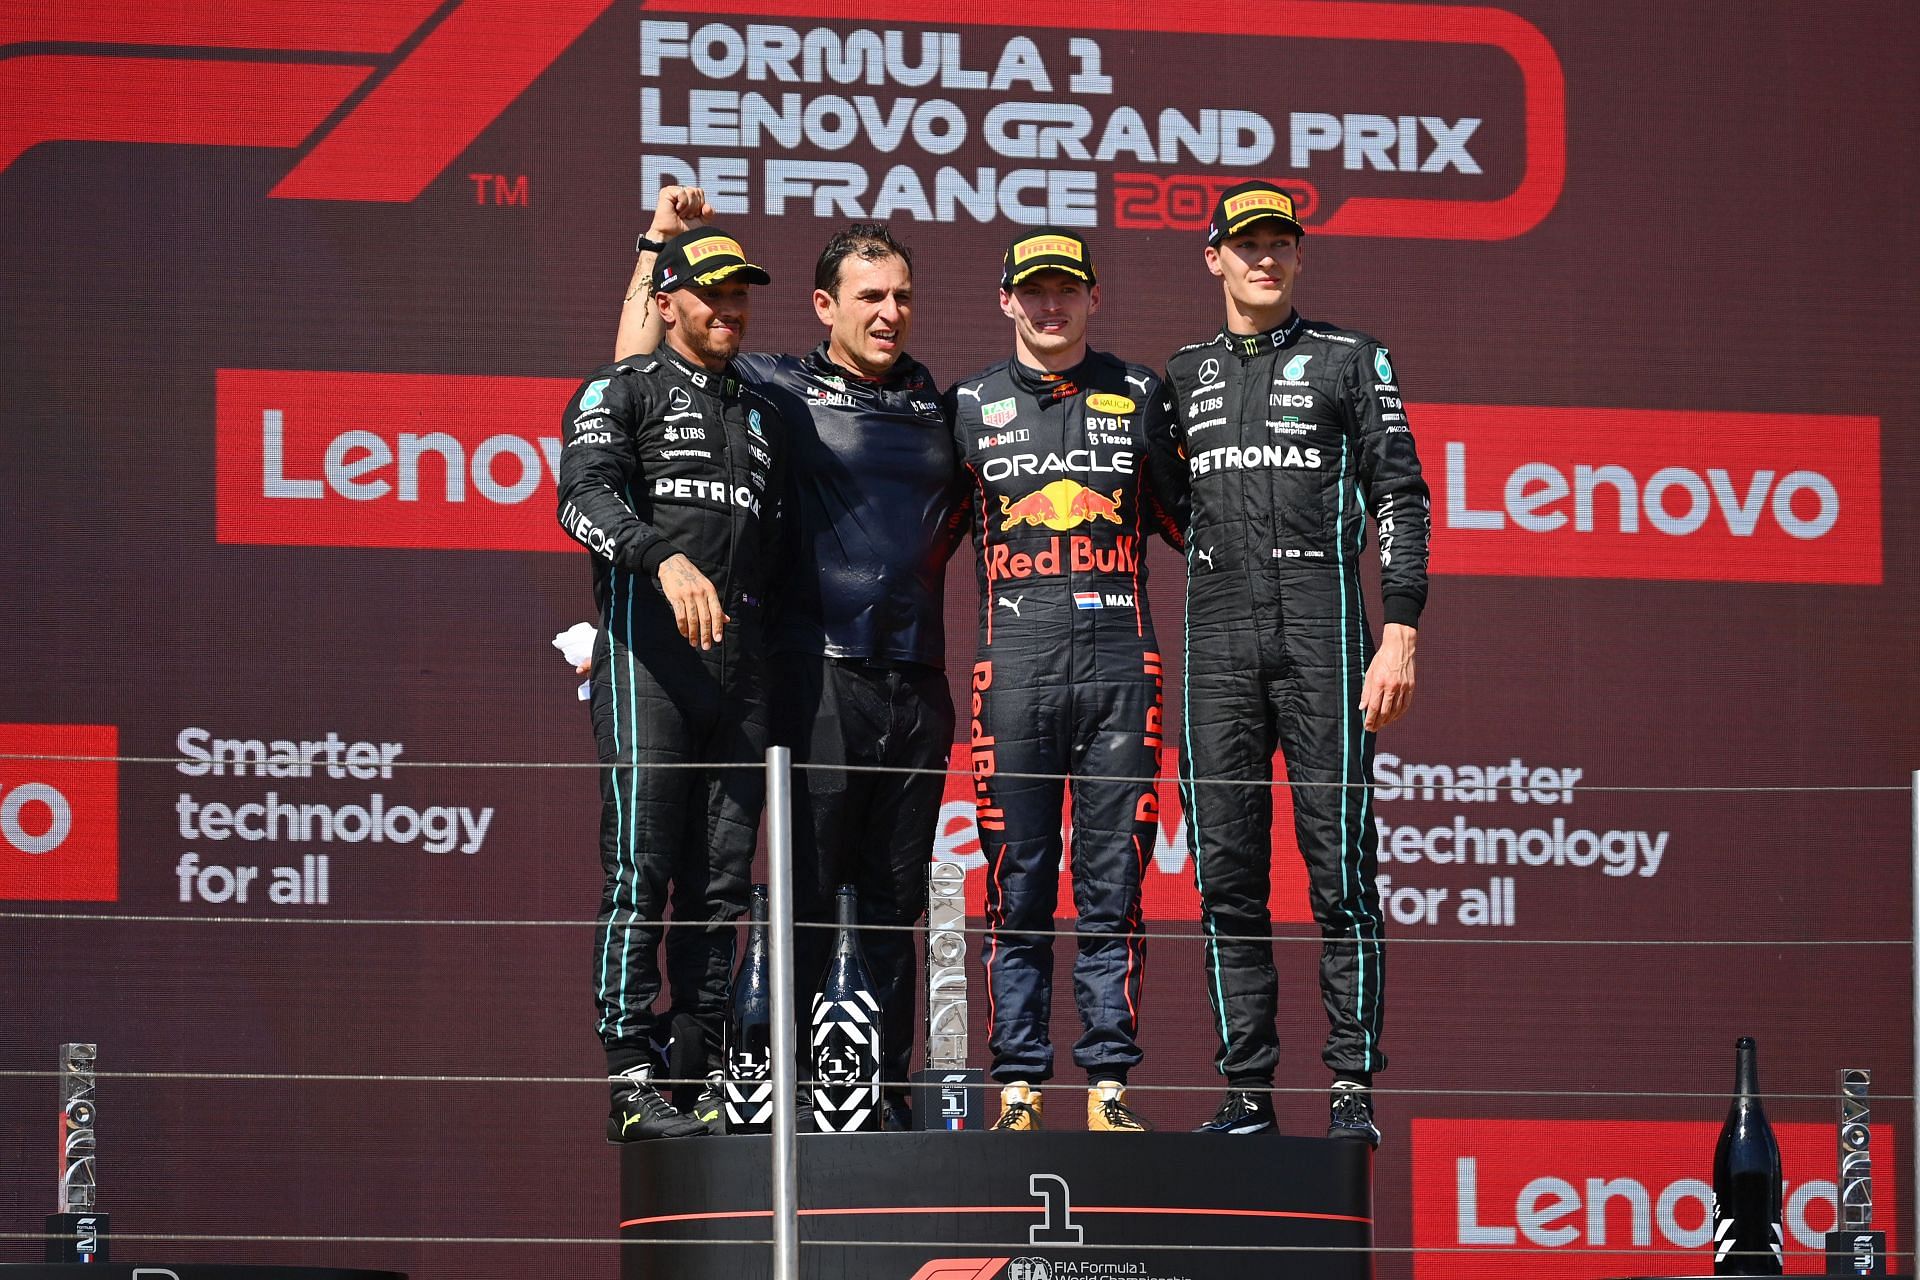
x,y
78,1232
948,1094
1854,1248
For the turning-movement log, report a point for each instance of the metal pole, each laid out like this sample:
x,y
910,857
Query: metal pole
x,y
786,1161
1913,1222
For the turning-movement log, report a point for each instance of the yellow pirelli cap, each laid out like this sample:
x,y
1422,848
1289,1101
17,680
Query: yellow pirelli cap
x,y
1243,205
1046,249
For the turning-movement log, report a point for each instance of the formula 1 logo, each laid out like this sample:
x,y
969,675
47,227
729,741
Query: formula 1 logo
x,y
59,817
392,95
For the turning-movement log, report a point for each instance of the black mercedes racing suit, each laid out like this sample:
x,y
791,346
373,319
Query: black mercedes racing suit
x,y
1068,475
1293,437
662,457
859,656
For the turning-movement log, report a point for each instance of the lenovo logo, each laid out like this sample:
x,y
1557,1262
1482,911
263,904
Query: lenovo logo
x,y
1500,1199
1657,494
389,460
59,818
393,94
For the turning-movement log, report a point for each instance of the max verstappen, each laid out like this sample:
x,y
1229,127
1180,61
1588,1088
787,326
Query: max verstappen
x,y
1295,432
669,474
1072,463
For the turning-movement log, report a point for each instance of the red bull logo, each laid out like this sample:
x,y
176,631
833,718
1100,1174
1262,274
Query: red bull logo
x,y
1080,554
1062,504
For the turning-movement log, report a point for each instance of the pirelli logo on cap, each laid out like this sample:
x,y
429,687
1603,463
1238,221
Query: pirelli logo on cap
x,y
1107,402
706,248
1269,201
1058,246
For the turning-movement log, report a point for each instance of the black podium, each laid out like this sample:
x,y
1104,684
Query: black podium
x,y
1002,1206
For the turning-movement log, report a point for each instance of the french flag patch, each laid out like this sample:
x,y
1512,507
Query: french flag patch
x,y
1086,600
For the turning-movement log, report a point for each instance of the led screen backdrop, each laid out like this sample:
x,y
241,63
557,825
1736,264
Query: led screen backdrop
x,y
294,296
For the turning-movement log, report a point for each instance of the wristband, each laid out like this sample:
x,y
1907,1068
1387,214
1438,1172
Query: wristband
x,y
647,244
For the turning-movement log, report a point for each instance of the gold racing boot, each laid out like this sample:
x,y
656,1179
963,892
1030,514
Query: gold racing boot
x,y
1019,1109
1108,1112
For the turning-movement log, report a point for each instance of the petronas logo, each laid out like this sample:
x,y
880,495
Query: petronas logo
x,y
1382,365
1296,368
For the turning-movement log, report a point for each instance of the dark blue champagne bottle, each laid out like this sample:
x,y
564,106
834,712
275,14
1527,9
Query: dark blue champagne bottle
x,y
846,1033
1746,1179
749,1086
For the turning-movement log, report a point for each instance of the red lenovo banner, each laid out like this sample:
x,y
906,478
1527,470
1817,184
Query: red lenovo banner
x,y
1624,493
59,819
390,460
1577,1199
469,463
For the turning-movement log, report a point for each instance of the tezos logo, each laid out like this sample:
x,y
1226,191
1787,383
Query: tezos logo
x,y
59,818
1297,368
1382,365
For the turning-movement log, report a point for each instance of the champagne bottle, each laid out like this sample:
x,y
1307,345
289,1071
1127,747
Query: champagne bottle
x,y
749,1088
846,1033
1746,1179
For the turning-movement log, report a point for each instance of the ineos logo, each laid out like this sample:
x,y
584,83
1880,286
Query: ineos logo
x,y
14,807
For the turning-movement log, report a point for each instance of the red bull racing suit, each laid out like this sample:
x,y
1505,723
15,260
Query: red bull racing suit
x,y
1068,474
1293,438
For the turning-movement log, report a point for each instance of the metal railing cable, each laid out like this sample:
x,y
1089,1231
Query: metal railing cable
x,y
260,769
213,1076
785,1241
1151,934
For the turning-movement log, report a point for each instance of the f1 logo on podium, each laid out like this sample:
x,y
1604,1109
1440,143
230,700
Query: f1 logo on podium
x,y
59,815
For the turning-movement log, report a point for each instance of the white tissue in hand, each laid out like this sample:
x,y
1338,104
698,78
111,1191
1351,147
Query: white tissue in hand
x,y
576,642
576,646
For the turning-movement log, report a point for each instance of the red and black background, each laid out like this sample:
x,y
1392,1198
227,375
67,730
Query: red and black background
x,y
1683,259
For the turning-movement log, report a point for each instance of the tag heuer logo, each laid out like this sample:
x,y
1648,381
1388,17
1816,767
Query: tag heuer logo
x,y
999,413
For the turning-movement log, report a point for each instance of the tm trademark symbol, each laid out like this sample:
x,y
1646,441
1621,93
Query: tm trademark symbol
x,y
500,189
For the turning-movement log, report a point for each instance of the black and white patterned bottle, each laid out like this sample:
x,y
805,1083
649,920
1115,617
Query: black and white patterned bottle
x,y
749,1087
846,1033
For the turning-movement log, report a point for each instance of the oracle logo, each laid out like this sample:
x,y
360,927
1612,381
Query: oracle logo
x,y
1491,1195
1659,494
388,460
59,818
